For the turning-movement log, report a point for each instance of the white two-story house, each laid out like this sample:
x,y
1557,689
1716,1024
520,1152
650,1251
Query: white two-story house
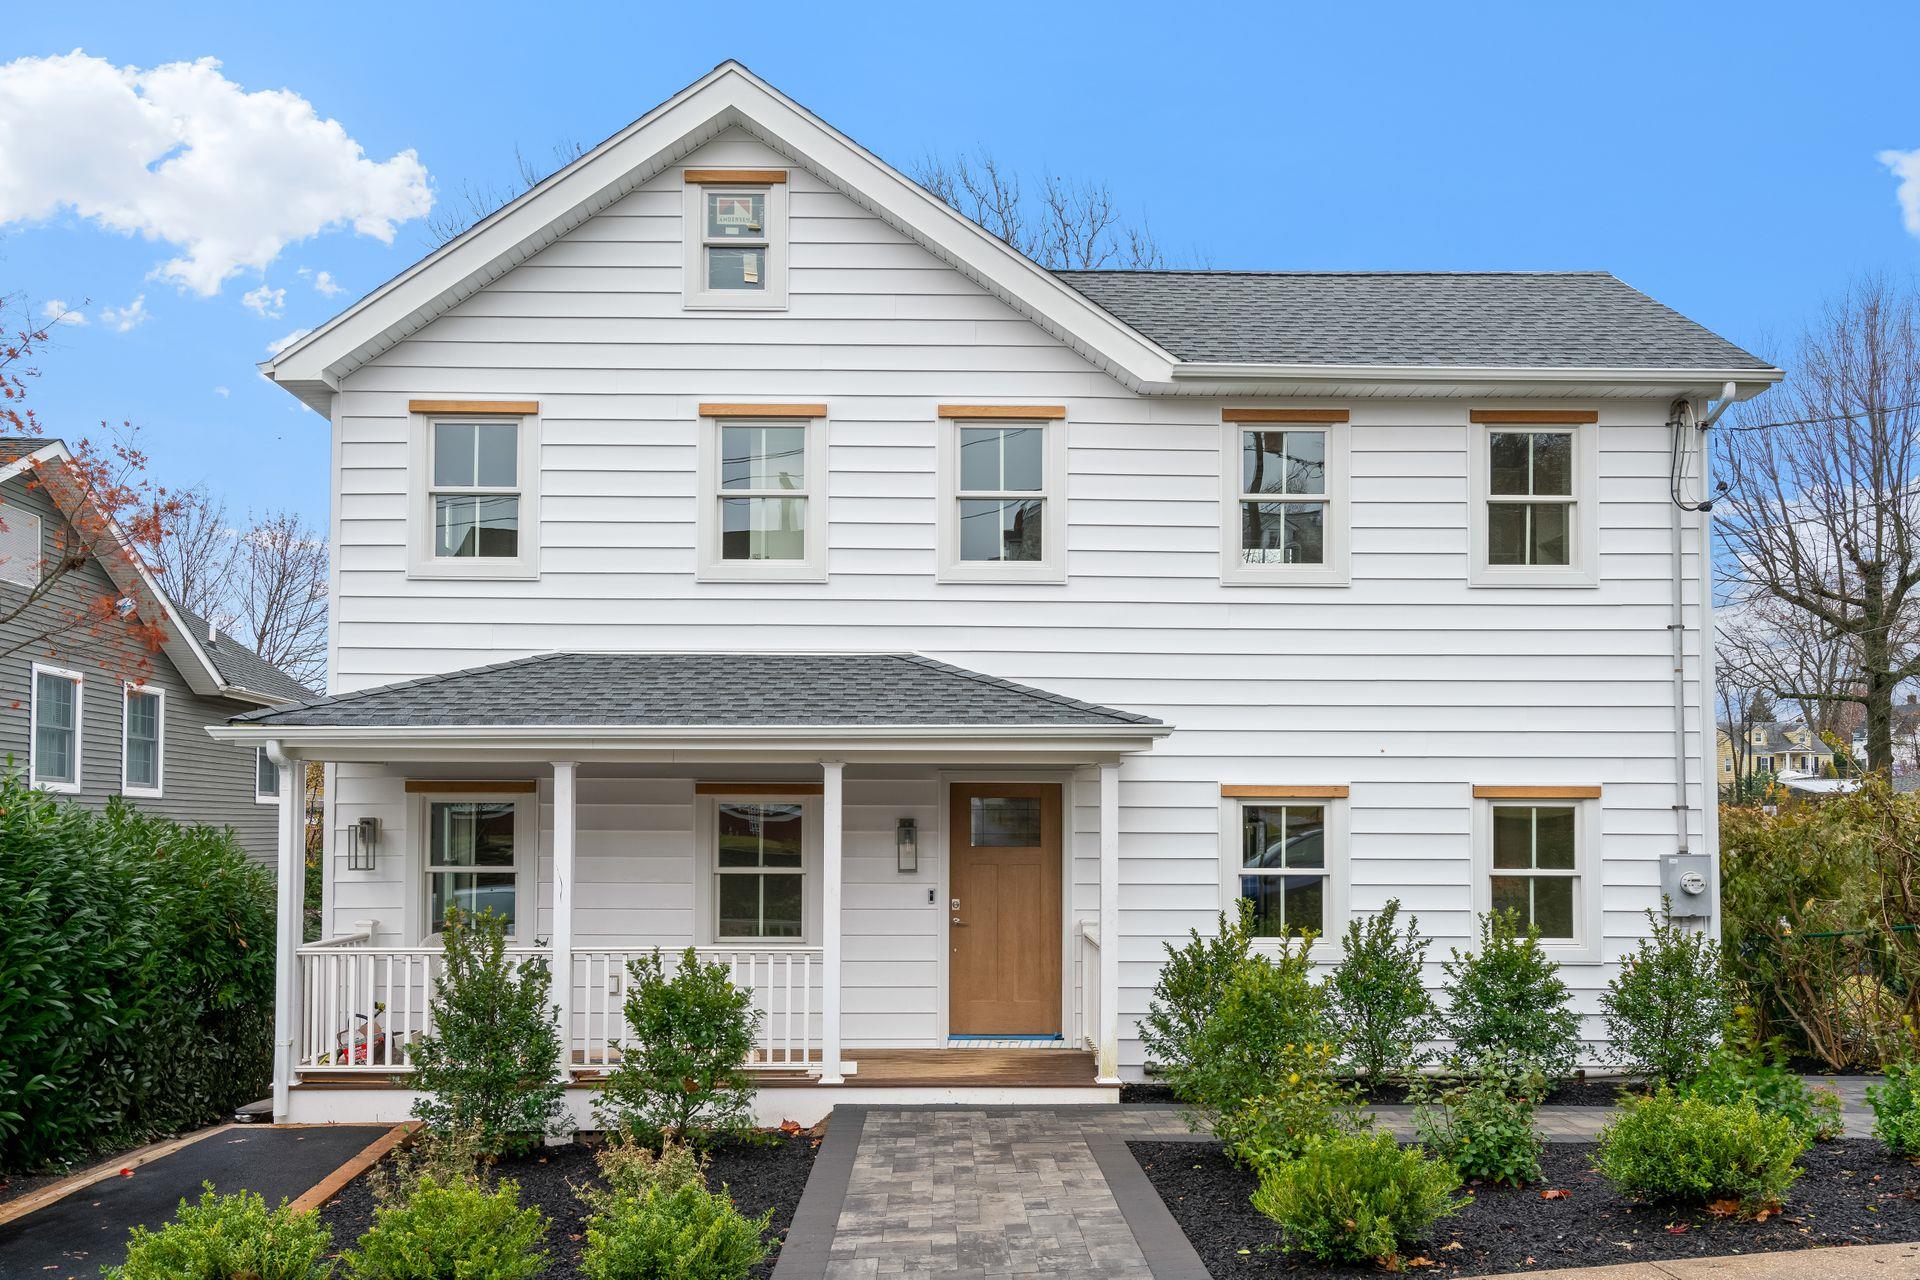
x,y
736,548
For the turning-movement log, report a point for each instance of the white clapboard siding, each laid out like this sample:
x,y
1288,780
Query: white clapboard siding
x,y
1407,684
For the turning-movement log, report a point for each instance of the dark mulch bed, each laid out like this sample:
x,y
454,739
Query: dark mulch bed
x,y
1568,1093
758,1175
1851,1193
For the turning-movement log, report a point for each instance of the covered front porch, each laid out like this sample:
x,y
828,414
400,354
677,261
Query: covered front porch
x,y
913,882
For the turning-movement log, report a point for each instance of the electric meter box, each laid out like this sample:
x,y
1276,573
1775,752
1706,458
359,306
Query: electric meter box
x,y
1687,881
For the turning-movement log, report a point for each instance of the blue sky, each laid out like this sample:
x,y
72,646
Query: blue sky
x,y
1721,157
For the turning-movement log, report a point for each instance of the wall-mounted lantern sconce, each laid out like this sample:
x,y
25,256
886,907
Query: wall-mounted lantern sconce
x,y
906,845
362,837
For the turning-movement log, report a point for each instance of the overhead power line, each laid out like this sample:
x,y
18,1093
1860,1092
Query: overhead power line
x,y
1814,422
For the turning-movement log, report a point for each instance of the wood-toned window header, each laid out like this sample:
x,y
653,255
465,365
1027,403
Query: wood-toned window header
x,y
1015,412
758,788
1534,417
763,411
1283,415
755,176
471,786
1536,793
516,407
1284,791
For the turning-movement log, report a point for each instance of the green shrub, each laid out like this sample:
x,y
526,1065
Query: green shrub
x,y
1269,1011
1484,1127
1191,983
491,1067
684,1073
452,1231
1741,1069
1302,1102
1357,1198
1685,1150
683,1233
632,1168
443,1158
1510,1011
1378,1003
1896,1109
1665,1007
136,977
228,1238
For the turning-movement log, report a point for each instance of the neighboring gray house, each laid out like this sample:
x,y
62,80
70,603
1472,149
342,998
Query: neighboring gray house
x,y
89,708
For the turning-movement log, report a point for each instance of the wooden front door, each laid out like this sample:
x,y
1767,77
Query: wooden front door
x,y
1003,975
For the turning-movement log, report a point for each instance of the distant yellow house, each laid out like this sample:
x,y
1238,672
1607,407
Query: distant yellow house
x,y
1779,748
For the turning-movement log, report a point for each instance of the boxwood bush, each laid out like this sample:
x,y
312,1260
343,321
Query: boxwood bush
x,y
1679,1149
136,977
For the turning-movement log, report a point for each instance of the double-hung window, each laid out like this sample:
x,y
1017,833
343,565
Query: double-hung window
x,y
1535,853
736,225
1003,515
1535,512
475,501
473,859
1284,510
143,740
764,505
1284,852
759,870
54,763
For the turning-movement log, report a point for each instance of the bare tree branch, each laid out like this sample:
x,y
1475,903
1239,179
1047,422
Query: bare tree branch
x,y
471,201
1071,225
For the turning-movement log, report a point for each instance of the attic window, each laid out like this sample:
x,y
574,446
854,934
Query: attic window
x,y
736,226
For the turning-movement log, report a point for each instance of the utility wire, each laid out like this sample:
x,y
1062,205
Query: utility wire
x,y
1814,422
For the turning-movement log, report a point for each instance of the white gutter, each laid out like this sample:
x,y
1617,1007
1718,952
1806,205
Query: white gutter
x,y
677,735
1449,374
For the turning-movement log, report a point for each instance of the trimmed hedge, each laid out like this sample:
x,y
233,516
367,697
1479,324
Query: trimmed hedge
x,y
136,977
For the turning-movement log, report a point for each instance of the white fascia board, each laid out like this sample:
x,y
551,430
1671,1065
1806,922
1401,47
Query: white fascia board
x,y
52,451
730,95
1450,379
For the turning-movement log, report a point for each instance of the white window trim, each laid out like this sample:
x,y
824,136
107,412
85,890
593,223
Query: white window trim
x,y
706,827
1583,567
23,574
1587,920
127,688
694,228
526,858
1052,565
259,796
1326,948
711,568
1334,571
79,729
421,562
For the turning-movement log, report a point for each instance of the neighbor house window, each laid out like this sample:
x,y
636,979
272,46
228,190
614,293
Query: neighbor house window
x,y
266,777
475,475
142,743
1534,854
55,750
758,861
764,503
1284,512
19,546
1535,514
472,860
736,237
1003,511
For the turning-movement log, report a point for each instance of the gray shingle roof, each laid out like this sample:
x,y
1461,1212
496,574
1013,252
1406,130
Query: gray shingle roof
x,y
1584,319
239,665
703,689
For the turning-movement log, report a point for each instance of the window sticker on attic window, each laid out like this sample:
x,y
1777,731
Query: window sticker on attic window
x,y
736,240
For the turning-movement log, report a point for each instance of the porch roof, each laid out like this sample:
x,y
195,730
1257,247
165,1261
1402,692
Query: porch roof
x,y
606,700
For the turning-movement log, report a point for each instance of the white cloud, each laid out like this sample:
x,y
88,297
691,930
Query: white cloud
x,y
265,301
56,311
275,348
323,282
222,392
180,154
121,319
1906,167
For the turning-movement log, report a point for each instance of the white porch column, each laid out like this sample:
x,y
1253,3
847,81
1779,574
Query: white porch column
x,y
562,938
290,904
830,824
1108,1067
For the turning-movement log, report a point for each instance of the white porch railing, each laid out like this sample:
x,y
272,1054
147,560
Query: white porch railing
x,y
783,980
362,1008
1086,984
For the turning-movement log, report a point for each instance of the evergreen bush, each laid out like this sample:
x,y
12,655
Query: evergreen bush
x,y
1483,1127
1665,1007
686,1233
1192,981
1680,1149
1270,1012
1357,1198
1510,1012
684,1073
453,1231
1378,1002
1743,1068
228,1238
1301,1103
1896,1109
